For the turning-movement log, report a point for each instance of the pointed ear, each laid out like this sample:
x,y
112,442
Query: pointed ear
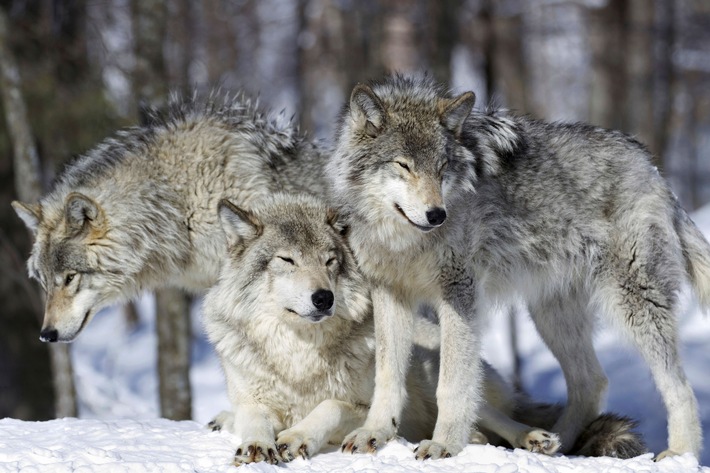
x,y
454,112
367,110
31,214
239,225
333,219
81,212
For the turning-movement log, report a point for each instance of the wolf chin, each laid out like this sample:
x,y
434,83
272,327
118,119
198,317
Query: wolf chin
x,y
470,211
139,211
291,320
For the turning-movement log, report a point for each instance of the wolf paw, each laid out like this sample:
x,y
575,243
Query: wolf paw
x,y
292,444
665,454
539,441
251,452
365,440
430,450
223,420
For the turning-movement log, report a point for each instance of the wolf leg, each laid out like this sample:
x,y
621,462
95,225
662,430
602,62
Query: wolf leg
x,y
640,297
566,329
458,393
329,421
393,336
516,434
251,420
257,432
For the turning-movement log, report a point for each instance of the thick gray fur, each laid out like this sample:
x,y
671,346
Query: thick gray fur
x,y
299,377
572,219
139,211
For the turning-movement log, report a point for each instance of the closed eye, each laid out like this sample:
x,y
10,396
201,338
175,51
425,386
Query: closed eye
x,y
403,165
286,259
331,261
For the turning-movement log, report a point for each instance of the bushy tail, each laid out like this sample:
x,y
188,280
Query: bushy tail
x,y
609,435
696,251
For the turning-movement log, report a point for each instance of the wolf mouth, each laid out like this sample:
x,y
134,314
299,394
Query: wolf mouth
x,y
419,227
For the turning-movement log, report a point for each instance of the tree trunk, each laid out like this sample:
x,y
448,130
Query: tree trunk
x,y
173,326
27,184
172,308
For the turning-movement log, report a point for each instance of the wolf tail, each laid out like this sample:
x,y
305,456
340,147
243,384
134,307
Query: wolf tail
x,y
696,251
609,435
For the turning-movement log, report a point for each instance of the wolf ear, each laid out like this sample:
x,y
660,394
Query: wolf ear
x,y
31,214
454,112
239,225
333,219
81,211
367,110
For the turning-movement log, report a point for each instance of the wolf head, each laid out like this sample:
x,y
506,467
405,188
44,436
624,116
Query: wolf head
x,y
289,257
397,154
68,259
92,251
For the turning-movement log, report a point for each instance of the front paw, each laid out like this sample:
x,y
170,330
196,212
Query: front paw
x,y
293,443
254,451
222,421
430,450
365,440
539,441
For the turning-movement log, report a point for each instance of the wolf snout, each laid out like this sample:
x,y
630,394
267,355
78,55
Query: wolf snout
x,y
323,299
436,216
49,335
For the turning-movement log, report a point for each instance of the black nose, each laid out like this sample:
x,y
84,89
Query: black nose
x,y
436,216
323,299
49,335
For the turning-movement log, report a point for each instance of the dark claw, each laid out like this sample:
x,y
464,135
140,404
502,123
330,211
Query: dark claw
x,y
304,452
239,452
448,455
416,449
373,444
272,455
427,456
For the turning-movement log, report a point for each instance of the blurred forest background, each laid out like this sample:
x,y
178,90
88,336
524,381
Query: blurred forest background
x,y
73,71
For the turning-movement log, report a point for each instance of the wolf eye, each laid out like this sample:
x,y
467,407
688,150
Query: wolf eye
x,y
69,278
288,260
403,165
331,261
442,168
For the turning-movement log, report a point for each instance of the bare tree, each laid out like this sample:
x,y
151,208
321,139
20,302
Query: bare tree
x,y
29,189
172,305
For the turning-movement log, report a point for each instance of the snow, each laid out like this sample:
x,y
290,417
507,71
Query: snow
x,y
120,429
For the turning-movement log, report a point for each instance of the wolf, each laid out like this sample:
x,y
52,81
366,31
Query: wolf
x,y
138,212
291,320
469,211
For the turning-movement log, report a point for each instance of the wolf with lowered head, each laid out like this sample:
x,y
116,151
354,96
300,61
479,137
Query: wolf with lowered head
x,y
139,211
469,211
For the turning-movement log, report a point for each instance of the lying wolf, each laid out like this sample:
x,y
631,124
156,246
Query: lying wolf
x,y
139,211
292,323
468,211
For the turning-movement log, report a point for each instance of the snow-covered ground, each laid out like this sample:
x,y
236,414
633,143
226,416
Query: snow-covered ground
x,y
119,429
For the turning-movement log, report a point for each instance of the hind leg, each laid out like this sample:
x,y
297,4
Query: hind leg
x,y
567,329
639,296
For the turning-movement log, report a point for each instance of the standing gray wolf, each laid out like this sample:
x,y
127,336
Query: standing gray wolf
x,y
471,211
291,320
139,211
